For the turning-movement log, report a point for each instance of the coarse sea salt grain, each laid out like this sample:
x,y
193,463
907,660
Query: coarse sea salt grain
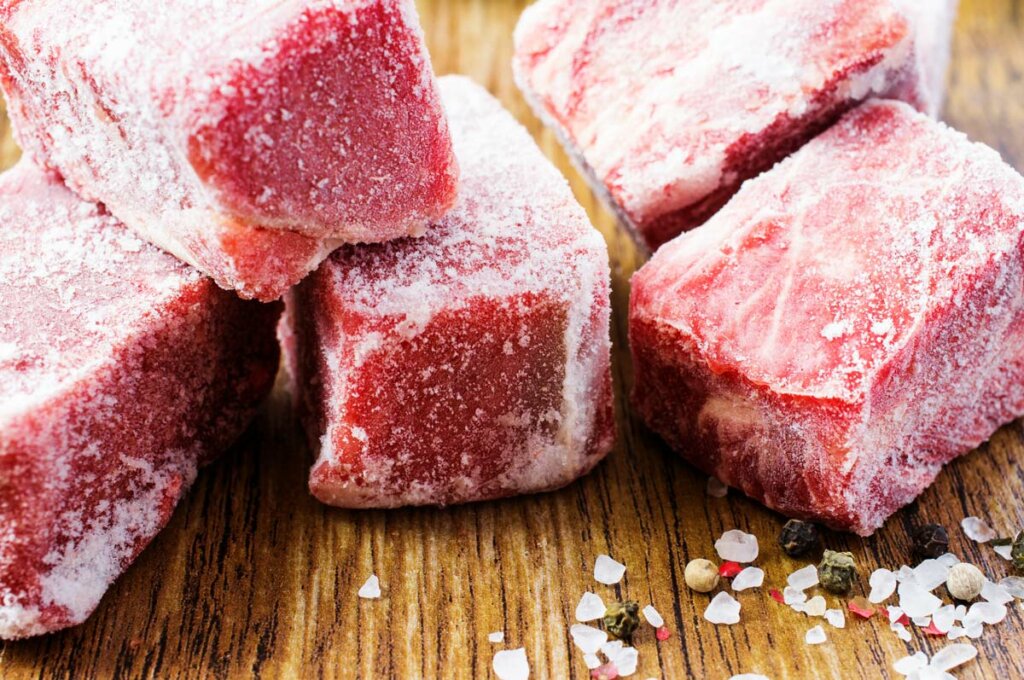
x,y
931,574
591,607
883,585
751,577
815,636
592,660
949,559
737,546
995,593
588,638
977,530
716,488
952,656
901,631
370,589
836,618
815,606
1004,551
915,601
624,658
792,596
652,616
1014,585
988,613
608,571
911,664
944,618
497,636
723,609
805,578
511,664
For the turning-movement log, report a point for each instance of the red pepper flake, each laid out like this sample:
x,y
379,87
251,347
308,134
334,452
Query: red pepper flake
x,y
777,596
861,607
729,569
605,672
932,630
663,633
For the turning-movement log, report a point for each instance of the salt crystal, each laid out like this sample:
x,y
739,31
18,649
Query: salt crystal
x,y
910,664
894,613
956,632
905,573
496,636
836,618
511,664
883,585
591,607
901,631
922,621
805,578
961,612
995,593
816,606
986,612
723,609
652,616
916,601
931,574
751,577
944,618
949,559
608,571
815,636
952,656
370,589
977,530
737,546
716,488
588,638
1014,585
592,660
625,660
793,596
1004,551
974,630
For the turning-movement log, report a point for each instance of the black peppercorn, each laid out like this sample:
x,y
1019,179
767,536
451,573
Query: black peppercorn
x,y
1017,553
837,571
798,538
930,541
621,619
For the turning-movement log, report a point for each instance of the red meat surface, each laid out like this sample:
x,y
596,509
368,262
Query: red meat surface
x,y
121,372
850,322
471,363
247,137
669,106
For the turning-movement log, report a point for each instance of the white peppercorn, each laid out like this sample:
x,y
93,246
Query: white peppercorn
x,y
701,575
965,582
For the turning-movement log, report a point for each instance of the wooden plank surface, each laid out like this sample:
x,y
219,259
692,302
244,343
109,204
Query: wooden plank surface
x,y
254,578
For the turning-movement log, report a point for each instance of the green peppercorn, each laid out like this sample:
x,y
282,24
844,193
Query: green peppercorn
x,y
1017,552
621,619
798,538
930,541
837,572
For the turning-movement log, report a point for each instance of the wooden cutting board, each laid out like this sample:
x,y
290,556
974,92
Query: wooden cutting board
x,y
254,578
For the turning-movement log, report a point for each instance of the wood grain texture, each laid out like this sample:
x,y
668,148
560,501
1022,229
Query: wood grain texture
x,y
254,578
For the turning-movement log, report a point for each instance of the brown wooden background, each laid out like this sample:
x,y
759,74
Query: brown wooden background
x,y
254,578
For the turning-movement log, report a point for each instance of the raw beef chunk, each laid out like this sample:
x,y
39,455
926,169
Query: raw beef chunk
x,y
851,321
121,372
247,137
472,363
669,106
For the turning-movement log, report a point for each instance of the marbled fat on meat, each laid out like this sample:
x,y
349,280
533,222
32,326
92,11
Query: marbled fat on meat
x,y
472,363
850,322
122,371
669,106
247,137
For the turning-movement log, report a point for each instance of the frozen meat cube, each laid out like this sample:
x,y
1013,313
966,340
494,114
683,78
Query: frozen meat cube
x,y
850,322
247,137
932,22
122,371
669,106
472,363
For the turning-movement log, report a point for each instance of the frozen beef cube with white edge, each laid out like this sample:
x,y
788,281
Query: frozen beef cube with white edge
x,y
247,137
122,371
667,107
472,363
932,22
849,323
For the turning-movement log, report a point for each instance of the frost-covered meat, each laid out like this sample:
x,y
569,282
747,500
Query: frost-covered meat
x,y
247,137
121,372
668,106
932,21
472,363
851,321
